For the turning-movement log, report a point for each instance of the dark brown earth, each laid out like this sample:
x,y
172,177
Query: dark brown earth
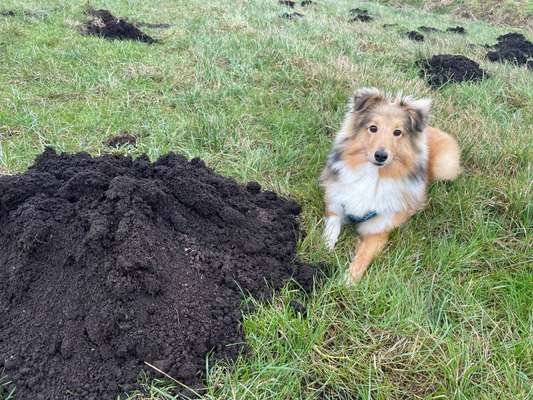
x,y
441,69
360,15
513,48
103,23
107,263
287,3
291,16
306,3
428,29
414,35
457,29
121,139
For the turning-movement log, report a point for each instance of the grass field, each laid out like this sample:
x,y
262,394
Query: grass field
x,y
445,313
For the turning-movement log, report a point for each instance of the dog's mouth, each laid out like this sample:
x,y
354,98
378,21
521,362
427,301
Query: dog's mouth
x,y
378,164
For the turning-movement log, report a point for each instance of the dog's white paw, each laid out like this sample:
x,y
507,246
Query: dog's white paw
x,y
332,231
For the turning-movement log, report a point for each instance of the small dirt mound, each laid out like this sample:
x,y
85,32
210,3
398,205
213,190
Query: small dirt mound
x,y
428,29
306,3
441,69
514,48
107,263
103,23
291,16
414,35
121,139
360,15
287,3
457,29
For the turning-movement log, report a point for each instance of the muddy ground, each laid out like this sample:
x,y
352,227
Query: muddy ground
x,y
107,263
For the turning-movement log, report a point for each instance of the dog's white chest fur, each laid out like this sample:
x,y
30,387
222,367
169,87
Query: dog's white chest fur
x,y
360,191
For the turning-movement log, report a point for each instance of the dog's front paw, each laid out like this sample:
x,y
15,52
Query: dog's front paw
x,y
332,231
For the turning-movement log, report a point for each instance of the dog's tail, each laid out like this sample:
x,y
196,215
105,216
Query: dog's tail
x,y
444,156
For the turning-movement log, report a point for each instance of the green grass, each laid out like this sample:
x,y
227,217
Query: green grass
x,y
444,313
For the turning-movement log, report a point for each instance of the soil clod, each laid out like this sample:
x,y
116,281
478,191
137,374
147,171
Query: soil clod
x,y
514,48
291,16
457,29
360,15
103,23
287,3
414,35
428,29
306,3
107,263
441,69
121,139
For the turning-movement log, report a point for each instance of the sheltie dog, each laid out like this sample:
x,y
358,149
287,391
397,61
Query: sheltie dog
x,y
377,172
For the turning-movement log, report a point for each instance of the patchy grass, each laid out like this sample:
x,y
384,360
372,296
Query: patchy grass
x,y
517,13
444,313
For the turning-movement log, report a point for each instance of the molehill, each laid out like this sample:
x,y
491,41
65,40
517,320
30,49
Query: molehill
x,y
107,263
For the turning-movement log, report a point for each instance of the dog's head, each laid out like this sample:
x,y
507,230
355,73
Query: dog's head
x,y
387,133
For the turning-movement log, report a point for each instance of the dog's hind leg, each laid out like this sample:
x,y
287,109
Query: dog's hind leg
x,y
369,246
444,156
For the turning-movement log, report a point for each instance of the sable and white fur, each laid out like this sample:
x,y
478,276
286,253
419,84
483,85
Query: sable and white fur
x,y
382,160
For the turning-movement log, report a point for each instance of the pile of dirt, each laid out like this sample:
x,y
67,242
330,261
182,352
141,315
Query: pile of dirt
x,y
514,48
103,23
441,69
287,3
107,263
428,29
457,29
359,14
306,3
291,16
414,35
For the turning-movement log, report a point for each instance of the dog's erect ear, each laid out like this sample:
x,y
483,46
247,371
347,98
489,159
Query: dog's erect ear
x,y
364,99
418,112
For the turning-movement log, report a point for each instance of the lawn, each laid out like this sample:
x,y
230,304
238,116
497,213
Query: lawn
x,y
446,312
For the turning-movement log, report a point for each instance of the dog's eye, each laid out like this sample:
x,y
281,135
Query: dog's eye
x,y
397,132
373,128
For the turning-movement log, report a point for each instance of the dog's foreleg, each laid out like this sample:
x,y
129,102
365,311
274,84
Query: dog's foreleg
x,y
332,229
369,246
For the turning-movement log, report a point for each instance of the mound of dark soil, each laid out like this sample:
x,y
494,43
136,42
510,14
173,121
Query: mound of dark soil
x,y
428,29
107,263
8,13
291,16
306,3
287,3
103,23
360,15
441,69
514,48
457,29
121,139
414,35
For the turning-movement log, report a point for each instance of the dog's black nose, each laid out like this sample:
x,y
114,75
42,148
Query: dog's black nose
x,y
381,156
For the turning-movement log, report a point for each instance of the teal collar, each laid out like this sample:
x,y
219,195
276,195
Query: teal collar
x,y
357,220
